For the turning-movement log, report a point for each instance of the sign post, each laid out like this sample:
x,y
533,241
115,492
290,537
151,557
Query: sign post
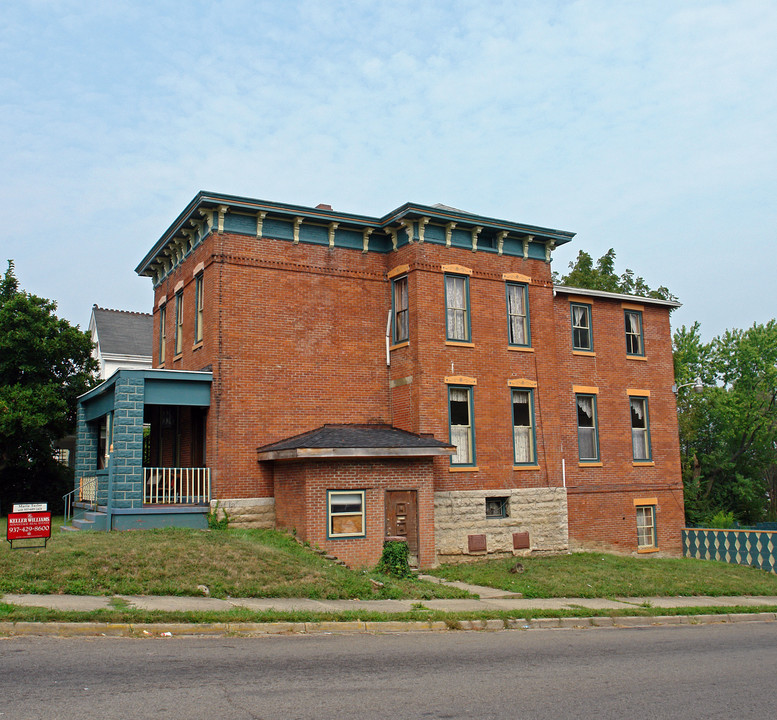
x,y
29,521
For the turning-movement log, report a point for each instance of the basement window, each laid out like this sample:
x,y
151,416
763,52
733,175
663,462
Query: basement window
x,y
497,507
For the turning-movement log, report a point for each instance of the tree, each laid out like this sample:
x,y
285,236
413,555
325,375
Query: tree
x,y
602,276
45,363
728,433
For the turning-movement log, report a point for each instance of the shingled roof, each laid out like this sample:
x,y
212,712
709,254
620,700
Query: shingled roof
x,y
346,440
121,332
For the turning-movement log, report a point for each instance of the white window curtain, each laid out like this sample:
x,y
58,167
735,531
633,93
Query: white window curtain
x,y
639,431
517,312
522,430
586,428
456,295
633,334
580,324
461,435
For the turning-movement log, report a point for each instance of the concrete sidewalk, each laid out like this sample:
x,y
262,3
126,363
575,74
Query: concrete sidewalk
x,y
490,599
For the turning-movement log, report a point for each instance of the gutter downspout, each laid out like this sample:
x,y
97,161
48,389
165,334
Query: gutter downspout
x,y
388,339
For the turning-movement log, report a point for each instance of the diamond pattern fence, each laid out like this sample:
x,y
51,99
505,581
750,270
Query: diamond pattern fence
x,y
757,548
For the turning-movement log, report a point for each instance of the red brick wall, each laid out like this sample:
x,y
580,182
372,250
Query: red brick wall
x,y
295,336
301,503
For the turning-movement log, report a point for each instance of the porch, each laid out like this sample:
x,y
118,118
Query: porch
x,y
141,451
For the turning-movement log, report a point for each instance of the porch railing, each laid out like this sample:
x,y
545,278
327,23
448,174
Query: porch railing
x,y
176,486
85,492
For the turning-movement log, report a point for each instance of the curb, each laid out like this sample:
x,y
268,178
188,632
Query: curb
x,y
156,630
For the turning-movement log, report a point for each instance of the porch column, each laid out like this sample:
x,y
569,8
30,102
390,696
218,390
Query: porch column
x,y
127,439
86,447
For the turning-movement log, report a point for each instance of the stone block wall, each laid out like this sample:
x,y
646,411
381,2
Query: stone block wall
x,y
127,440
542,512
246,512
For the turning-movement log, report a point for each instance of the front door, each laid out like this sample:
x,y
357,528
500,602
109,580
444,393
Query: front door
x,y
402,519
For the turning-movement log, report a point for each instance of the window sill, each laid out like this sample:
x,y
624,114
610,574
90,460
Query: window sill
x,y
644,550
584,353
590,464
404,343
641,358
526,467
520,348
464,469
197,346
177,357
643,463
459,343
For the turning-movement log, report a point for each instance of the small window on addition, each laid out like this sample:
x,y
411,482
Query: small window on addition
x,y
497,507
646,527
346,513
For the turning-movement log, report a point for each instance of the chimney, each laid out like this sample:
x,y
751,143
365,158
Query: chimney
x,y
323,206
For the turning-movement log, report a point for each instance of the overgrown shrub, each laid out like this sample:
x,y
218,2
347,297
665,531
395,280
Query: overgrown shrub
x,y
215,522
394,560
721,520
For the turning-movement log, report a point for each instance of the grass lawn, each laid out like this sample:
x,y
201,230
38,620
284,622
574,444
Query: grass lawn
x,y
237,563
592,575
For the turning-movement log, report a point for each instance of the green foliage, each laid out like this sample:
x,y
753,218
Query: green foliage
x,y
394,560
218,520
728,433
602,276
45,363
721,521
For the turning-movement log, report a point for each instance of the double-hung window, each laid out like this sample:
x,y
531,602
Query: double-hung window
x,y
345,513
401,325
518,314
179,322
634,339
462,431
199,298
582,335
640,428
646,526
457,325
587,430
162,333
524,445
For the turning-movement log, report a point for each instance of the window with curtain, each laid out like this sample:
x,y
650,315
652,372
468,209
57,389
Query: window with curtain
x,y
640,434
587,441
634,344
179,322
162,333
460,413
401,326
646,526
457,308
582,338
518,314
199,299
523,427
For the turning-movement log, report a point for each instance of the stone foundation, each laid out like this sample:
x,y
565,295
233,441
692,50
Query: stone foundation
x,y
542,512
247,512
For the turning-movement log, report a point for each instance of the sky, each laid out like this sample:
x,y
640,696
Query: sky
x,y
645,126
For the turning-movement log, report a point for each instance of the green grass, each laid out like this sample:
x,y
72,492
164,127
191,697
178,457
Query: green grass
x,y
237,563
593,575
137,617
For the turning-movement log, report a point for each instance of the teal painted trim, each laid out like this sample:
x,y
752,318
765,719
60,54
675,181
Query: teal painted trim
x,y
467,320
471,409
177,392
524,288
211,201
595,411
532,419
630,350
195,518
329,535
589,347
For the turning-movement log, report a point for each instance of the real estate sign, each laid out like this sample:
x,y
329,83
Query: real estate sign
x,y
29,521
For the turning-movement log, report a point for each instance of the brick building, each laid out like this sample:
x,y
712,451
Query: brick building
x,y
412,375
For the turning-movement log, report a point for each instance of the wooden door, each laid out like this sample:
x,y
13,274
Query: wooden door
x,y
402,519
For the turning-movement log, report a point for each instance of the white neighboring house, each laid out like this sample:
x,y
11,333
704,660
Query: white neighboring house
x,y
122,339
